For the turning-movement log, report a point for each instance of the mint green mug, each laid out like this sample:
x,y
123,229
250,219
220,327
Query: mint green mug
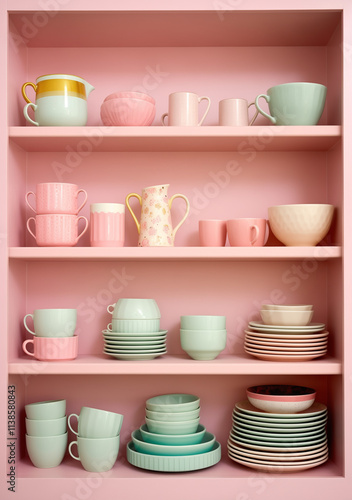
x,y
300,103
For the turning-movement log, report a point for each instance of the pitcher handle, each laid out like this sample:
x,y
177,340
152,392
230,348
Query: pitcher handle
x,y
267,98
204,98
185,216
131,211
255,114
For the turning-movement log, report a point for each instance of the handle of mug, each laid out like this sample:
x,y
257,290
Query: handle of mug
x,y
267,232
81,217
112,308
85,198
255,114
69,422
163,118
109,327
204,98
27,201
26,115
70,450
256,229
24,347
267,98
31,84
29,229
25,323
184,217
135,195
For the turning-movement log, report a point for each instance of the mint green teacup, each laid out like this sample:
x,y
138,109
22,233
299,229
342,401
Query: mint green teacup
x,y
299,103
96,454
46,452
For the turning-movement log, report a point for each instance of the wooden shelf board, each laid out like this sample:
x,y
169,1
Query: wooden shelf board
x,y
100,364
161,139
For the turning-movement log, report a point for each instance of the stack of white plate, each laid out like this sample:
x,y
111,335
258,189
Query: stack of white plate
x,y
135,346
286,343
278,442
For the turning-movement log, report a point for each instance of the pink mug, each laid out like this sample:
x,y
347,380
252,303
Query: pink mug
x,y
56,230
183,109
52,348
57,198
247,232
212,233
234,113
107,225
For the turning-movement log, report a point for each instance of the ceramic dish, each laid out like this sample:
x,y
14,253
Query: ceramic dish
x,y
288,336
135,334
158,426
276,467
285,357
134,342
174,416
284,307
286,317
286,445
288,432
264,447
286,349
310,327
137,357
246,408
280,398
279,428
173,439
272,343
279,455
173,464
273,438
173,403
140,445
132,348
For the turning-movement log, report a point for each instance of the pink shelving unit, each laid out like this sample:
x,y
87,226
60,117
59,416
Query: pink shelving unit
x,y
219,49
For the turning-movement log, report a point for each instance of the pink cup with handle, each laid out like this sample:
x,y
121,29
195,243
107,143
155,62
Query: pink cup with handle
x,y
52,348
56,230
107,225
183,110
56,198
247,232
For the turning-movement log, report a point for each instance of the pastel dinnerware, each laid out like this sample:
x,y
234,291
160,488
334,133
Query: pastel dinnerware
x,y
163,427
299,103
281,398
46,427
52,348
172,439
203,322
56,230
247,232
183,110
61,100
203,345
173,403
46,452
96,454
134,325
52,322
46,410
287,307
212,233
134,309
96,423
155,226
56,198
234,113
301,224
173,416
205,445
282,317
127,112
107,225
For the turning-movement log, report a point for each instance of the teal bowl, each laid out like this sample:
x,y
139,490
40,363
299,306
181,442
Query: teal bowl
x,y
205,445
174,439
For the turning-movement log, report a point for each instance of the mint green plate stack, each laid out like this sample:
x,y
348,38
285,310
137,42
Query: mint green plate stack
x,y
172,438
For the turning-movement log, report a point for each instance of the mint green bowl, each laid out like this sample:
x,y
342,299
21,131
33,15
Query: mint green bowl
x,y
169,403
173,439
205,445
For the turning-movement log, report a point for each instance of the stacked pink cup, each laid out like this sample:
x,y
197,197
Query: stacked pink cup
x,y
56,220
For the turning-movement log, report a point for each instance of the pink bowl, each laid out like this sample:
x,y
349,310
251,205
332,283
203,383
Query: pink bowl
x,y
134,95
125,111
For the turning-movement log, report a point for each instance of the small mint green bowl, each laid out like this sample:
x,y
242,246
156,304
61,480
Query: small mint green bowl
x,y
172,439
205,445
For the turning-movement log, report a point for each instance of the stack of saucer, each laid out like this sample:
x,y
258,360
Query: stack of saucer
x,y
286,334
278,439
134,332
172,439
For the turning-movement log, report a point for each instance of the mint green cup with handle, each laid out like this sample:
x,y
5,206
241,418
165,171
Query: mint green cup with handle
x,y
299,103
96,454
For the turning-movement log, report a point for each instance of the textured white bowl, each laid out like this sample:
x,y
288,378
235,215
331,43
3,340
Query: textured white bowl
x,y
286,318
161,427
172,416
300,225
275,398
286,307
203,345
171,403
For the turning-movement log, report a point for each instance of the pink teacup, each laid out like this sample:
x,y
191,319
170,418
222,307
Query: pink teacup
x,y
52,348
56,230
212,233
56,198
247,232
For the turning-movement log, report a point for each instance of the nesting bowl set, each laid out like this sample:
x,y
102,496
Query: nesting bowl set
x,y
203,338
279,428
134,331
172,438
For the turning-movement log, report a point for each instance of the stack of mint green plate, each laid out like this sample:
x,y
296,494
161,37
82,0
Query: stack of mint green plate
x,y
173,443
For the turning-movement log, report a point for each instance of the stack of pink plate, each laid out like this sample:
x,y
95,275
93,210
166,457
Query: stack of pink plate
x,y
286,343
278,442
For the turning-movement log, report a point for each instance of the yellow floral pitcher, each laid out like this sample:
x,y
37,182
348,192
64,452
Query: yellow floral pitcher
x,y
155,227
